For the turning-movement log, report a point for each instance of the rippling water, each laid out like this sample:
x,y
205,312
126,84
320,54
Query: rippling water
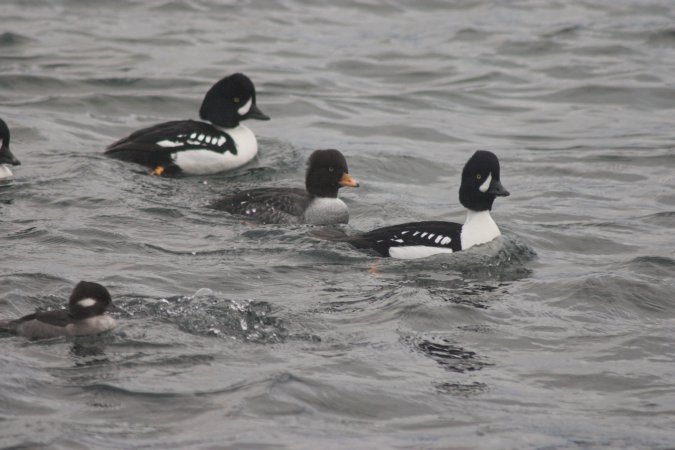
x,y
558,335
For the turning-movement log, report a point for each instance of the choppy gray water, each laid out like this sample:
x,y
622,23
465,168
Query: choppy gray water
x,y
558,336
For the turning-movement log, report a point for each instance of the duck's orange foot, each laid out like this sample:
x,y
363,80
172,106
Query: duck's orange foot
x,y
372,269
159,170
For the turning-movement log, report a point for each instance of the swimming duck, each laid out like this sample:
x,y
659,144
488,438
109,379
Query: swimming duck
x,y
6,157
218,144
478,190
317,204
84,316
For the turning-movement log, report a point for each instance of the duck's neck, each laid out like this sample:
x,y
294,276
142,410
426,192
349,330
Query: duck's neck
x,y
318,191
478,228
236,129
244,139
326,211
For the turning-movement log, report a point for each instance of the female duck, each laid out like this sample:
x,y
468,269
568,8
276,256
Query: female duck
x,y
84,316
317,204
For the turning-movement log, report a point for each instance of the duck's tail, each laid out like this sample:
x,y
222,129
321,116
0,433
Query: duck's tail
x,y
338,235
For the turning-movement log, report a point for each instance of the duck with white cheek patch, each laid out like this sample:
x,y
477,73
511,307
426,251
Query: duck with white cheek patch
x,y
480,186
317,204
218,144
6,157
84,316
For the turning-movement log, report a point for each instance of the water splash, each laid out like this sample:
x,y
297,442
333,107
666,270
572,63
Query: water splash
x,y
206,313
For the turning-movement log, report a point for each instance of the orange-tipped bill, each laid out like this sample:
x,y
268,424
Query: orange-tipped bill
x,y
348,181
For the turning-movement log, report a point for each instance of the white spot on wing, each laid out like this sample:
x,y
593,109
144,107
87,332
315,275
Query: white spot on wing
x,y
400,241
445,241
438,239
167,143
221,141
431,236
423,234
200,137
486,184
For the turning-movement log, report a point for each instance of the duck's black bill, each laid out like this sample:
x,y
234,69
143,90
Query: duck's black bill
x,y
255,113
497,189
6,157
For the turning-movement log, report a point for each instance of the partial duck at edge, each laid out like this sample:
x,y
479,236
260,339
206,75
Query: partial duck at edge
x,y
6,157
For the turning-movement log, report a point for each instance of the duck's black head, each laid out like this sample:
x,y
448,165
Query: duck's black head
x,y
6,156
480,182
326,173
88,300
230,101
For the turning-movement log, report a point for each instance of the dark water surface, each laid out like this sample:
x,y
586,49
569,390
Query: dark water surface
x,y
557,336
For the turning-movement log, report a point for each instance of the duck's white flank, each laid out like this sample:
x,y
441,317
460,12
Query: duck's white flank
x,y
416,251
91,325
204,162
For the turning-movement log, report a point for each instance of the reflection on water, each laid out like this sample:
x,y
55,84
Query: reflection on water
x,y
448,354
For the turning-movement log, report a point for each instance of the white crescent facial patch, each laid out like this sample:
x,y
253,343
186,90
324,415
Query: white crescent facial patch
x,y
486,184
86,302
246,107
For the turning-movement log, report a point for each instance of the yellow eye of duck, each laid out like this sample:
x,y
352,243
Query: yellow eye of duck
x,y
478,177
330,169
236,99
